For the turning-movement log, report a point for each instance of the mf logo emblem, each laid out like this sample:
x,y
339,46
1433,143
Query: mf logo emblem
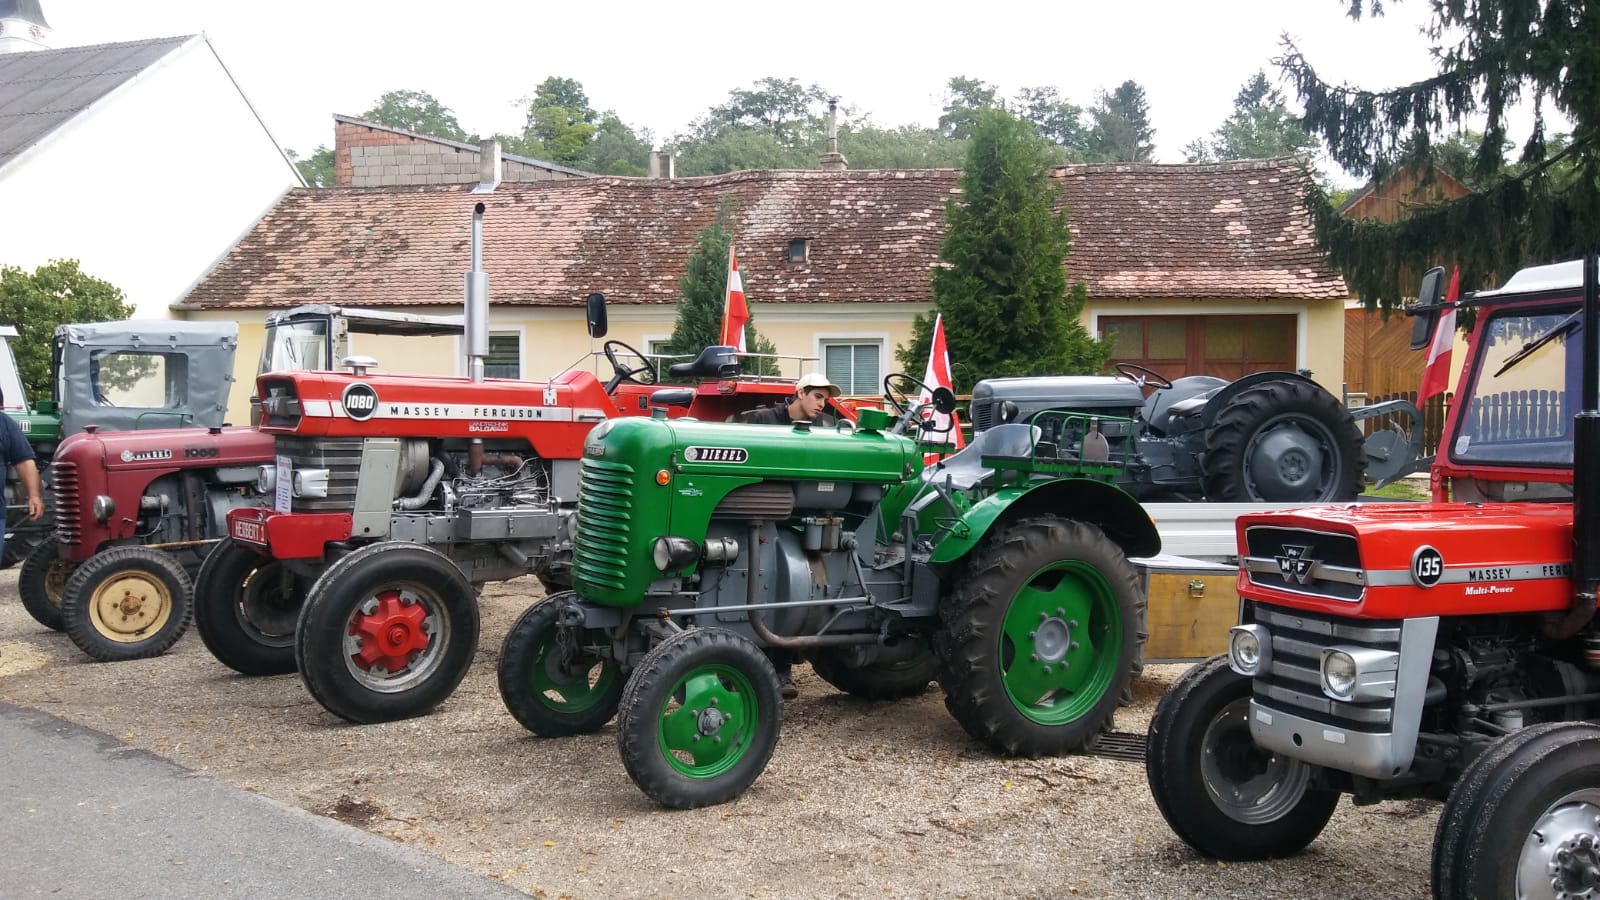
x,y
360,401
1295,564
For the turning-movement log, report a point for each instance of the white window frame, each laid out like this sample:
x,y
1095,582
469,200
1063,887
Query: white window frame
x,y
522,348
824,340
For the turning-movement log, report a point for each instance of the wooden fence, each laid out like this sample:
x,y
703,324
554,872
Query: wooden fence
x,y
1508,416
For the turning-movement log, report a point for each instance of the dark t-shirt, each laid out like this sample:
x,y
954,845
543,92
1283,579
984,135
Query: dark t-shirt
x,y
778,414
14,446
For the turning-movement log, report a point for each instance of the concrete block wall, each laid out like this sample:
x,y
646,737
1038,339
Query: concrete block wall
x,y
373,157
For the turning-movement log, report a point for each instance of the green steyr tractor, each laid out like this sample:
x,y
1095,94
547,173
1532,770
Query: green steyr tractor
x,y
1002,571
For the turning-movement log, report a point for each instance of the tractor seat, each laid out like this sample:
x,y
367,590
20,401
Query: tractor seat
x,y
672,396
965,470
716,361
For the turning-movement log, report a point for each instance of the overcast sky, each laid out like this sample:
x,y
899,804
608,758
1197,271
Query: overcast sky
x,y
661,64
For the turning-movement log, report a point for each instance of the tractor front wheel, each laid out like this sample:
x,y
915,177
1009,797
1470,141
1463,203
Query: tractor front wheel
x,y
386,633
699,718
1524,819
127,603
246,607
42,580
1042,634
558,681
1220,792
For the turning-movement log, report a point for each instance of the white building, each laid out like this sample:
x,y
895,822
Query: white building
x,y
142,160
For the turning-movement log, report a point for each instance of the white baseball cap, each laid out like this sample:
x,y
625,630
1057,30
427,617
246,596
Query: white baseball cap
x,y
816,380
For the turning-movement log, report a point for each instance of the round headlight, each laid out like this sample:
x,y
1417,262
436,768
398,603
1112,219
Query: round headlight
x,y
661,554
103,508
1339,674
266,479
1245,648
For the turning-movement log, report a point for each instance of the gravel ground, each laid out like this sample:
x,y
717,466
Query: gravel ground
x,y
860,799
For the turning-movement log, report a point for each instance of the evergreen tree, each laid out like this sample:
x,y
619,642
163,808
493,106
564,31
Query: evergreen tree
x,y
1261,127
1121,131
1003,291
701,290
57,293
1546,207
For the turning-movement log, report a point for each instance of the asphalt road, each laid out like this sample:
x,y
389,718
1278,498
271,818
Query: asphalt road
x,y
83,816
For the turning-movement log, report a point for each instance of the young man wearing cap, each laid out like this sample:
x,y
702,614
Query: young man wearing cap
x,y
810,398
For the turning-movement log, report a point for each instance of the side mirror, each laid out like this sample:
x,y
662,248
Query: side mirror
x,y
595,312
1426,309
944,401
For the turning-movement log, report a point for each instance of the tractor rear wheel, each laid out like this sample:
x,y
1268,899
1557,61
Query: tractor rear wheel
x,y
127,603
558,681
1284,442
246,606
1041,636
41,581
1220,793
699,718
386,633
1524,819
880,680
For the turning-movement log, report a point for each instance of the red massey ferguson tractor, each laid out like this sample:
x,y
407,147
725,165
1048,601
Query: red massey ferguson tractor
x,y
394,498
1446,650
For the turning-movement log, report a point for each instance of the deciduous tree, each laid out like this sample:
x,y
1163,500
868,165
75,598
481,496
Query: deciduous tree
x,y
1261,127
416,111
56,293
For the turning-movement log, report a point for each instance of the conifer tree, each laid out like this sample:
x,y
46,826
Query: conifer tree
x,y
701,291
1003,291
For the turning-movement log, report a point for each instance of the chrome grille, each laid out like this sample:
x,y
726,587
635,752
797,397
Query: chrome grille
x,y
600,552
1313,563
340,456
1291,682
64,488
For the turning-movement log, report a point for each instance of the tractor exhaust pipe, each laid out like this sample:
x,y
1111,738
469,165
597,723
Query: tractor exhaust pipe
x,y
1585,478
477,303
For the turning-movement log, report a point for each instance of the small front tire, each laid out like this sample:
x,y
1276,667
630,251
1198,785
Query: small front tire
x,y
127,603
880,680
557,681
246,606
42,580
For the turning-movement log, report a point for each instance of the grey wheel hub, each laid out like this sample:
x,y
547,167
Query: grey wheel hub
x,y
1561,856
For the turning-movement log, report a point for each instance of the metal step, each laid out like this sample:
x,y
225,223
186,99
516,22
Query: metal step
x,y
1120,745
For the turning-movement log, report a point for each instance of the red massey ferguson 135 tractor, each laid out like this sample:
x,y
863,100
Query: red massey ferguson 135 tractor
x,y
395,497
1446,650
136,511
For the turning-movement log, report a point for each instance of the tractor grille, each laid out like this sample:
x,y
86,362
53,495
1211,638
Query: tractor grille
x,y
982,415
340,456
1313,563
1291,682
767,502
64,485
600,553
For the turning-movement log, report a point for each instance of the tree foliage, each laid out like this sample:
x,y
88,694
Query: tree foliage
x,y
316,169
1120,129
1489,55
964,99
57,293
419,112
702,289
1261,127
1003,289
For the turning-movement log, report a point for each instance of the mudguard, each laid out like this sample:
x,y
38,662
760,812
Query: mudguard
x,y
1105,505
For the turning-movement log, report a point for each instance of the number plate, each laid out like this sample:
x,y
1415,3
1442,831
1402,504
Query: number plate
x,y
246,530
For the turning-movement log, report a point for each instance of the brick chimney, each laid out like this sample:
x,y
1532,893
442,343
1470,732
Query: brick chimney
x,y
661,164
833,160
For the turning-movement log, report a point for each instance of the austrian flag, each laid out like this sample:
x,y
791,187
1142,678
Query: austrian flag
x,y
734,311
937,376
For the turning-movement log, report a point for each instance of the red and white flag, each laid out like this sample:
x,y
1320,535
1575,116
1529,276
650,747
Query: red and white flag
x,y
937,376
1436,377
734,311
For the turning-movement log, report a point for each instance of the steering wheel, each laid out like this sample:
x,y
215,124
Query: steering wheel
x,y
1141,376
901,400
621,372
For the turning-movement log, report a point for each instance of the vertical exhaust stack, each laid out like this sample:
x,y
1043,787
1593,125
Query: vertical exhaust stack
x,y
1586,443
477,303
833,160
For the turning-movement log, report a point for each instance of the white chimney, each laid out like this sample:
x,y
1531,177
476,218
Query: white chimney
x,y
661,164
491,166
833,160
22,26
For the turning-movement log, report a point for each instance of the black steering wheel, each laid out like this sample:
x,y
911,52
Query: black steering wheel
x,y
620,373
901,399
1141,376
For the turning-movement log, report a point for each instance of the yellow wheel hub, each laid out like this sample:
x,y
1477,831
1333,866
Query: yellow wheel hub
x,y
130,606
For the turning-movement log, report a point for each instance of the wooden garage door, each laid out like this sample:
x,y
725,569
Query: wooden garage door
x,y
1225,346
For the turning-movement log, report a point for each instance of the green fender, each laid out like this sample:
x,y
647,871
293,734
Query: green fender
x,y
1107,506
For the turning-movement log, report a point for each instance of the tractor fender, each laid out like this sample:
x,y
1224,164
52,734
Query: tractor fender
x,y
1220,400
1107,506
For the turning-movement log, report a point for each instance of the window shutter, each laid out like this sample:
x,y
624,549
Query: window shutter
x,y
836,361
505,356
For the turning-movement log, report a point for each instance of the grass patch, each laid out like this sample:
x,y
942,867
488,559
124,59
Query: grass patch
x,y
1403,489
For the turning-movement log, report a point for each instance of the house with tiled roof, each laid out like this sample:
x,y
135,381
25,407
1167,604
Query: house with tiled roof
x,y
1190,267
95,142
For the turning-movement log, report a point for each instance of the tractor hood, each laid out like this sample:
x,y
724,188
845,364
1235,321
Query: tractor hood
x,y
1391,561
165,448
1061,390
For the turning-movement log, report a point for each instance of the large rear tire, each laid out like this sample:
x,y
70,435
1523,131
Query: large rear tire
x,y
246,607
1222,794
1524,819
127,603
1042,634
387,633
1284,442
699,718
558,681
42,580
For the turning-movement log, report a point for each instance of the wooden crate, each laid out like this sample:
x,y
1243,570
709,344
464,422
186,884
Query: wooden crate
x,y
1192,604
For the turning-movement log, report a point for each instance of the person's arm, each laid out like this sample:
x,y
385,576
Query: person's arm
x,y
28,471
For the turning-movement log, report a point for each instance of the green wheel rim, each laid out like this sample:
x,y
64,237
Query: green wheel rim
x,y
709,721
1060,642
562,688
